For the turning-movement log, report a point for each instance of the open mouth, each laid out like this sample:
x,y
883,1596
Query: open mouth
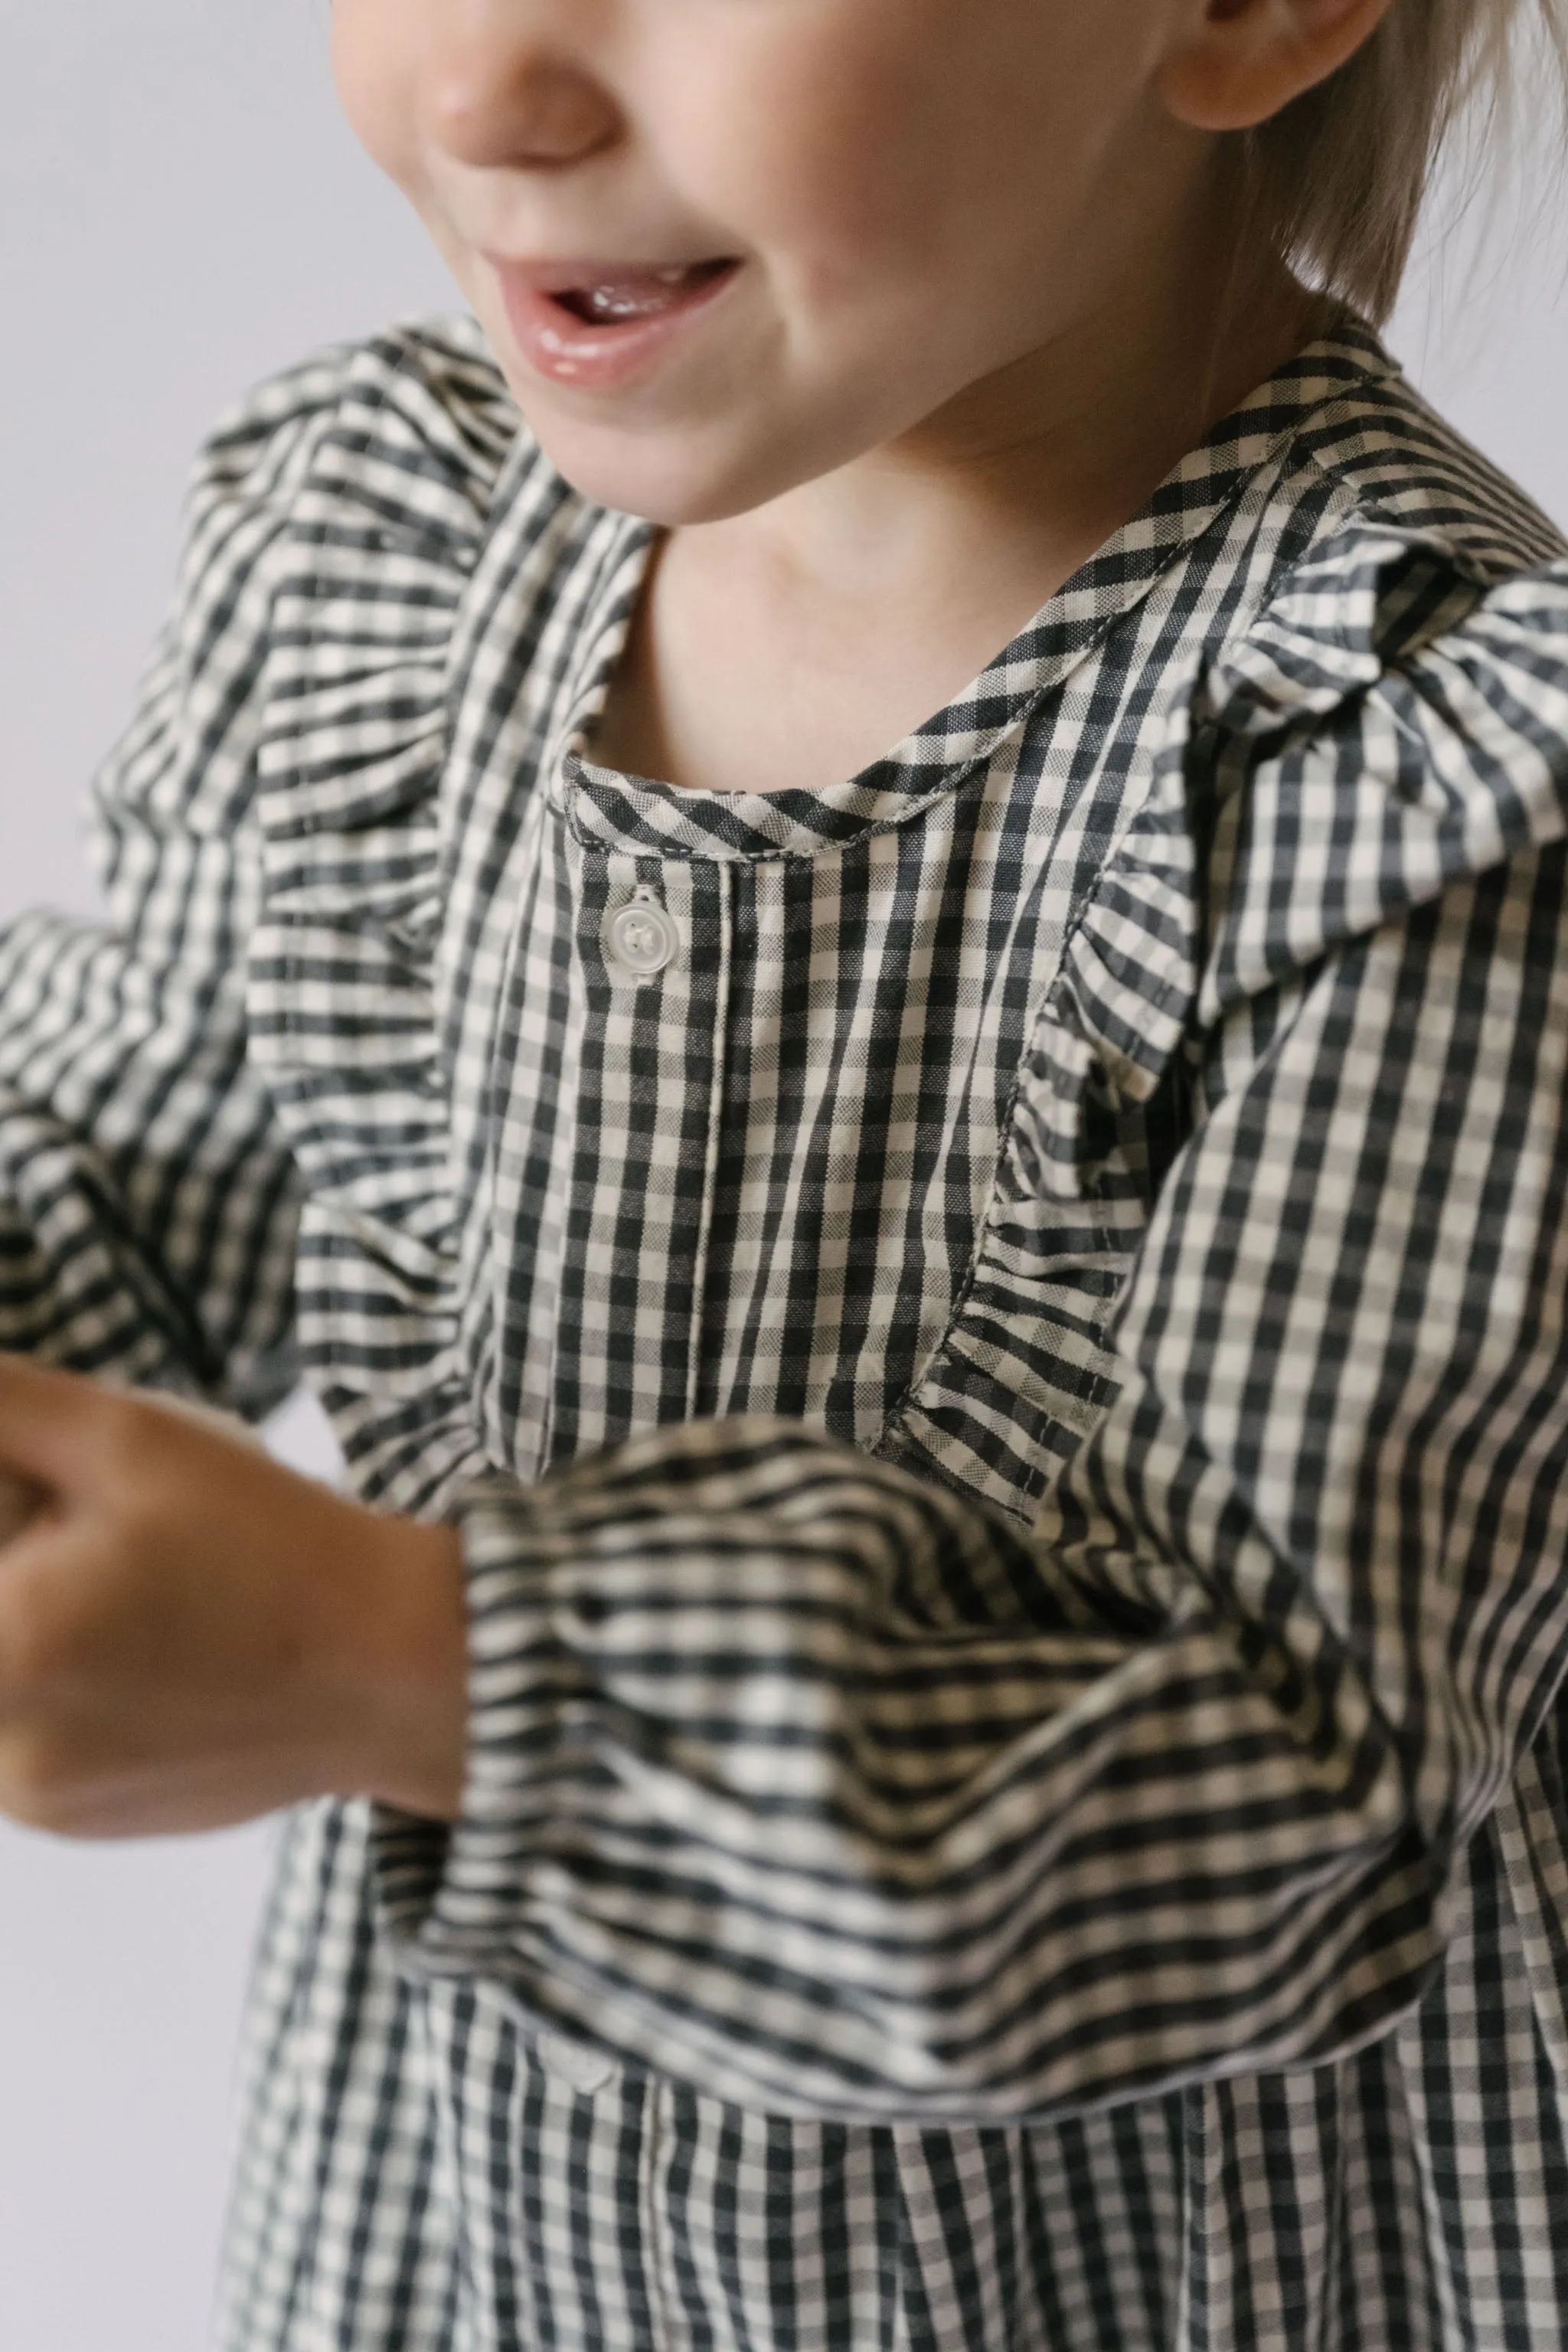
x,y
607,326
630,297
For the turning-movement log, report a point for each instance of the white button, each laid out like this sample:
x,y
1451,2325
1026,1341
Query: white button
x,y
574,2064
640,938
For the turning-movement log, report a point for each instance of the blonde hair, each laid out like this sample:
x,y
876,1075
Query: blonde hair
x,y
1339,176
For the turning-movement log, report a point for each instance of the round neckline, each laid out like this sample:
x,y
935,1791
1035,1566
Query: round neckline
x,y
610,807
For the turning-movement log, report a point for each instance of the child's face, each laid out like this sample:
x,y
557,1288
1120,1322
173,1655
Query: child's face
x,y
883,210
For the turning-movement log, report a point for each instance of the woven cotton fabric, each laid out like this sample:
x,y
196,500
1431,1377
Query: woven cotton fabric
x,y
1006,1401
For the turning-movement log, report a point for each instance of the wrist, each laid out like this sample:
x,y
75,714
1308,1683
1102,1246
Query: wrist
x,y
410,1647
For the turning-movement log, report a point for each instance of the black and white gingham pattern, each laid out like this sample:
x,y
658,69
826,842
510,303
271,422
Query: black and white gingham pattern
x,y
1008,1406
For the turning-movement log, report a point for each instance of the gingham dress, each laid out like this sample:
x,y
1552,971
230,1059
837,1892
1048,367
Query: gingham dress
x,y
996,1333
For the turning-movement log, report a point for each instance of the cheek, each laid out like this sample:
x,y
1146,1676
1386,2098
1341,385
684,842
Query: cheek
x,y
375,57
819,159
906,138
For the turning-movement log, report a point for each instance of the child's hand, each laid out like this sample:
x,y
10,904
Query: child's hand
x,y
191,1634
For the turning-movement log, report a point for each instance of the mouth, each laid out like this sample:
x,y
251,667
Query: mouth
x,y
626,298
601,326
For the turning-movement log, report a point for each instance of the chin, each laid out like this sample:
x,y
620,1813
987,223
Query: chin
x,y
673,474
666,476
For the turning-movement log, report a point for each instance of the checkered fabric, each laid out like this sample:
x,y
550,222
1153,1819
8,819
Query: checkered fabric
x,y
1006,1392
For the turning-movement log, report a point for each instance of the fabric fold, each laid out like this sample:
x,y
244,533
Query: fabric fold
x,y
340,993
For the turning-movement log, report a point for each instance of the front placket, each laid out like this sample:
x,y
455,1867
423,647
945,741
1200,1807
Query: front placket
x,y
653,951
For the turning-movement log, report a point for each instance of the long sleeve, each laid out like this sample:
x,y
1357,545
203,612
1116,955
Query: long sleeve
x,y
147,1202
823,1788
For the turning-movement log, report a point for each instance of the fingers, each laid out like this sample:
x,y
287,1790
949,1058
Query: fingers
x,y
55,1428
51,1423
61,1435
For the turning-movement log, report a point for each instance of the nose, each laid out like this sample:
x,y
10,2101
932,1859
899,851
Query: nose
x,y
508,84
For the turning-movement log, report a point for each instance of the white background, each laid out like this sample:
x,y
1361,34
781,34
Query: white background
x,y
180,213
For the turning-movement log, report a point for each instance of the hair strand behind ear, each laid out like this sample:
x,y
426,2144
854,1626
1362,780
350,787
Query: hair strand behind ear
x,y
1340,176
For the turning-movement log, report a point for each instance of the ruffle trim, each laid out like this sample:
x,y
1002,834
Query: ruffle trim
x,y
1379,741
370,570
1385,727
1120,1003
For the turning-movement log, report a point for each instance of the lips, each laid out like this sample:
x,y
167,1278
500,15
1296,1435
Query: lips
x,y
599,326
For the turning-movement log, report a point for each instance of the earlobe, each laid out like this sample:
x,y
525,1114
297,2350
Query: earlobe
x,y
1242,61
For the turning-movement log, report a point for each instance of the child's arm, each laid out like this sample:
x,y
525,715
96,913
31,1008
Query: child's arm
x,y
148,1220
180,1612
148,1207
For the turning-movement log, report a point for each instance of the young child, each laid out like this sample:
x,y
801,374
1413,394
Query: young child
x,y
933,1721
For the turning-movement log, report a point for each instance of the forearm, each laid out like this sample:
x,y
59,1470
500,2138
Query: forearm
x,y
740,1811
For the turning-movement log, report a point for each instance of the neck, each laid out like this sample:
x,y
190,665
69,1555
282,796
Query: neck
x,y
1051,455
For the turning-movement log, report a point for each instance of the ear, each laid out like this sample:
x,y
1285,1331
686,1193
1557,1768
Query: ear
x,y
1240,61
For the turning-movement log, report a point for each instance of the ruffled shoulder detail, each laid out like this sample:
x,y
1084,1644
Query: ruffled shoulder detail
x,y
1391,725
367,578
1386,725
1334,624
